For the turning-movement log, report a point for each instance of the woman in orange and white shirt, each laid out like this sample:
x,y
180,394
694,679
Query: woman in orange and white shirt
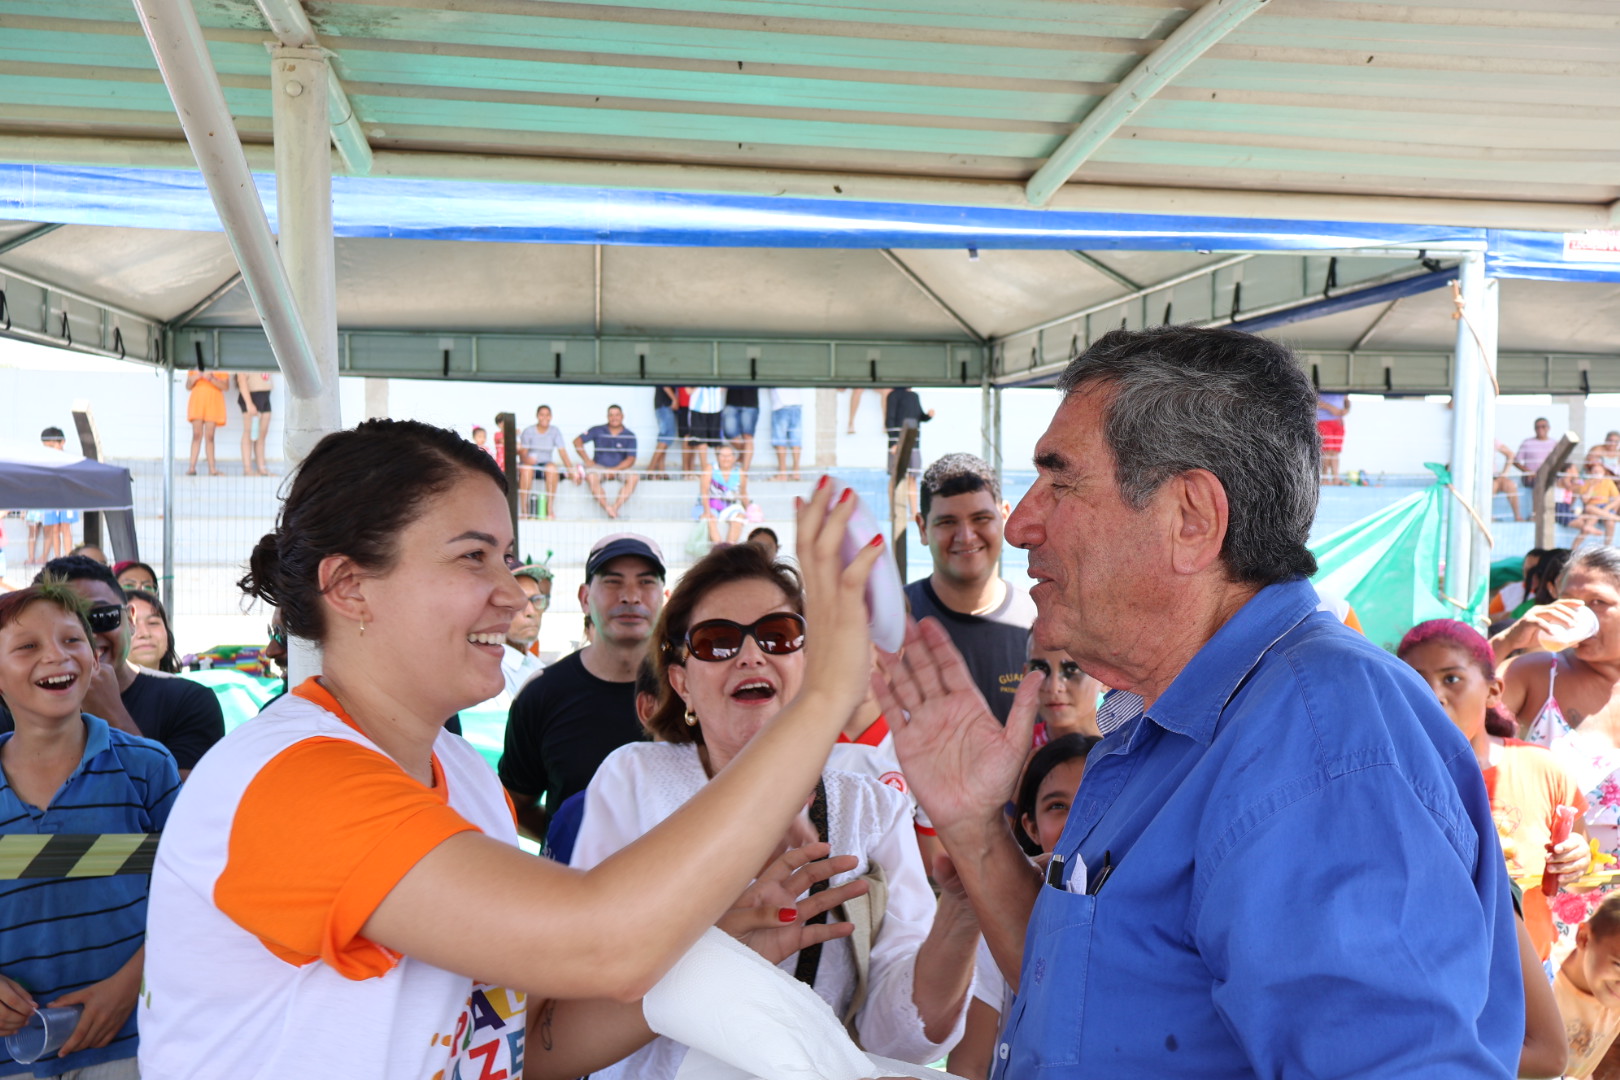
x,y
338,891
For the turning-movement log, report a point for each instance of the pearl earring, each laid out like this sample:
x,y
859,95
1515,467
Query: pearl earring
x,y
691,718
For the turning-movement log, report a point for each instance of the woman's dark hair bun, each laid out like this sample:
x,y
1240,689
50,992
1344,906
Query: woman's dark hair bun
x,y
263,564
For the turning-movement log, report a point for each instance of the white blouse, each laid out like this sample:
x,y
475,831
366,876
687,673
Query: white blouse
x,y
641,784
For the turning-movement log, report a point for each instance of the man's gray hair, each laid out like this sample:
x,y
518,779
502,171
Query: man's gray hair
x,y
1603,559
1237,405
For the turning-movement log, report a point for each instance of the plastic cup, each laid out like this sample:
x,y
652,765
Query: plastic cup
x,y
45,1033
1586,625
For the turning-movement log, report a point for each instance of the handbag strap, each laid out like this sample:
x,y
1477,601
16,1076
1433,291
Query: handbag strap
x,y
810,956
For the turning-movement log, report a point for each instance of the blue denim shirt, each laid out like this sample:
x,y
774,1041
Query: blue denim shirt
x,y
1306,878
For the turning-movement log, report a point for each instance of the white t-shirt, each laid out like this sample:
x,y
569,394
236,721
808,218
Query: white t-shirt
x,y
284,840
872,754
542,444
708,399
517,668
989,985
787,397
641,784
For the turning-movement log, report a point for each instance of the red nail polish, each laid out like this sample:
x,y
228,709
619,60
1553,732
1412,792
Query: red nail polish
x,y
877,541
823,482
787,914
849,493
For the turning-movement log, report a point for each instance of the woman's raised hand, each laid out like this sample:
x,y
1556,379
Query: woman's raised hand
x,y
838,646
770,918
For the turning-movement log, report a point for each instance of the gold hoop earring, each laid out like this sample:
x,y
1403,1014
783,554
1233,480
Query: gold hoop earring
x,y
691,718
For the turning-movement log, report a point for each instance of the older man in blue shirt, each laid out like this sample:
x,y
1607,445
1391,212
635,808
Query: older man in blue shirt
x,y
1281,860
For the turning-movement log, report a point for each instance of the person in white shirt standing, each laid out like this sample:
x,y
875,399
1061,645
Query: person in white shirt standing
x,y
787,405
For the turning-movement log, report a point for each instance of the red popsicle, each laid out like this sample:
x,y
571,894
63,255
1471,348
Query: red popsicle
x,y
1563,819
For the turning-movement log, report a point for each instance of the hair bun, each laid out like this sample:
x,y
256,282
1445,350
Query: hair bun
x,y
263,577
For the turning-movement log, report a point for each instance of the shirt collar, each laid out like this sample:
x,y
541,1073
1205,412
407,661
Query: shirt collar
x,y
96,741
1192,704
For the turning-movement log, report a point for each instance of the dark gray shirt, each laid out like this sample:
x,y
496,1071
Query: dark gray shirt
x,y
994,644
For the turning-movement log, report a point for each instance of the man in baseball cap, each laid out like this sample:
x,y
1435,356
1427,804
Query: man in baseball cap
x,y
582,708
616,545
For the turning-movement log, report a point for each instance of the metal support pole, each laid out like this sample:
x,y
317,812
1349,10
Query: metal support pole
x,y
188,71
298,89
899,493
166,584
1543,492
1473,427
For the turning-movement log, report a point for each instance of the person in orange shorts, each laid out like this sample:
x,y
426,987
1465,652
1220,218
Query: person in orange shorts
x,y
205,410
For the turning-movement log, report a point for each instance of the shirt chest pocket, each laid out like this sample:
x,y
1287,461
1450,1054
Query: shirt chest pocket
x,y
1044,1029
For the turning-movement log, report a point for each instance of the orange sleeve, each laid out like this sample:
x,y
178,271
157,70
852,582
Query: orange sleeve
x,y
321,835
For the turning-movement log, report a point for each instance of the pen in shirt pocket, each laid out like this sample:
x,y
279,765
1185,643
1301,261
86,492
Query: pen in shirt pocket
x,y
1077,878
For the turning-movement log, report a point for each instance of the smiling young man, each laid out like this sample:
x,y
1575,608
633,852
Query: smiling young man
x,y
987,617
182,715
571,716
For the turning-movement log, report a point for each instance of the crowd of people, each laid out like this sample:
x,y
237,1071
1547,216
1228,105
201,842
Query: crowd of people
x,y
1319,858
705,434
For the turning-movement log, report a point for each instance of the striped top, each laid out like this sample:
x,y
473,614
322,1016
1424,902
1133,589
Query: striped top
x,y
60,934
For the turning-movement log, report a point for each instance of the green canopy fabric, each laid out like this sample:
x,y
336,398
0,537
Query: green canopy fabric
x,y
1387,566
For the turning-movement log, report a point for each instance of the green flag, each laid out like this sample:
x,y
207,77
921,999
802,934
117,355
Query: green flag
x,y
1387,566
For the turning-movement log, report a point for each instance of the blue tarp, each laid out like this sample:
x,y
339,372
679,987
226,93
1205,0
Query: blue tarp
x,y
534,213
553,214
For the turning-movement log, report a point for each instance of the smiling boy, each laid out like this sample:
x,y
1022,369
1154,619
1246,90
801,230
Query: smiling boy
x,y
64,773
987,617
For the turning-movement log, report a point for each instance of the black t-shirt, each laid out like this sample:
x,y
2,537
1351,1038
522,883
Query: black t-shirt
x,y
903,405
561,727
994,645
743,397
182,715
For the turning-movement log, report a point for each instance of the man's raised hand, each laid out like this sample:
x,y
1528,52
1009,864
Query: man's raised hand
x,y
959,761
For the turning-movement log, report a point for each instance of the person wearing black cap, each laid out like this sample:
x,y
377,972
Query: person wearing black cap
x,y
582,708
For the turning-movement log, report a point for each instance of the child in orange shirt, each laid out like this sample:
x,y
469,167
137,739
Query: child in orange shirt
x,y
1526,783
1587,988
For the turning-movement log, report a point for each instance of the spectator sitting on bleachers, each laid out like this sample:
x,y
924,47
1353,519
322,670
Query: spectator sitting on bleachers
x,y
537,445
182,715
612,457
69,940
723,495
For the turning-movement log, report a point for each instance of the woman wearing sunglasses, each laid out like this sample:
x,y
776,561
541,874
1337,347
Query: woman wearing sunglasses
x,y
339,890
730,655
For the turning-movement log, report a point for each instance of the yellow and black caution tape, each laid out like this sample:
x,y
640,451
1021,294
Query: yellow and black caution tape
x,y
80,855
